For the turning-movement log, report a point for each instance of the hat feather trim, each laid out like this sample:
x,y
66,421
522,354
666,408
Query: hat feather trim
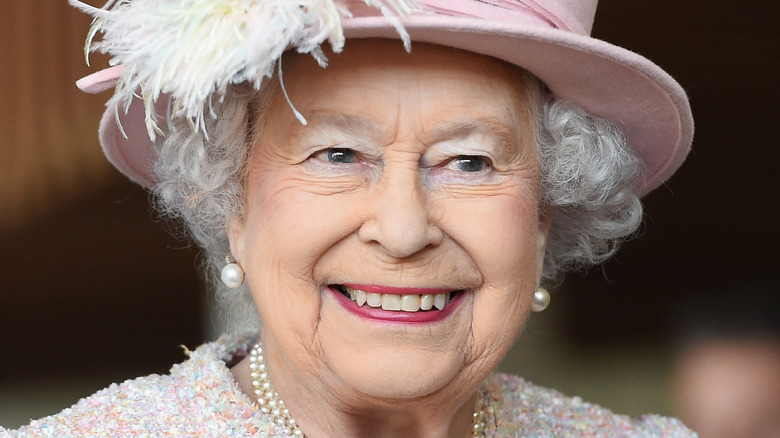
x,y
193,50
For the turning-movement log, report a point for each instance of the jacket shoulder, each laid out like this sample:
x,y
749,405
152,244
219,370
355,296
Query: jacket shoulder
x,y
198,398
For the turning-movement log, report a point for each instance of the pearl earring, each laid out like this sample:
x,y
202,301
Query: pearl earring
x,y
541,299
232,275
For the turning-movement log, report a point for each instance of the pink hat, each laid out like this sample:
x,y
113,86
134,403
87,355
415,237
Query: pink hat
x,y
549,38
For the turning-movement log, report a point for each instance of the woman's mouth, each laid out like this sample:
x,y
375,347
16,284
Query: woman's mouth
x,y
371,299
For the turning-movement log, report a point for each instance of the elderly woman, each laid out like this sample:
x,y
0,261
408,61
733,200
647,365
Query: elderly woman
x,y
382,215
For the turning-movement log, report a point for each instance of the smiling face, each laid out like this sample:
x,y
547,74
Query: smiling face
x,y
414,184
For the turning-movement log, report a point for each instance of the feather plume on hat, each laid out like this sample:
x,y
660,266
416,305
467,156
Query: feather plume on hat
x,y
193,50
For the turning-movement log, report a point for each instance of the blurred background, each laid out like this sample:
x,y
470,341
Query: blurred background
x,y
96,290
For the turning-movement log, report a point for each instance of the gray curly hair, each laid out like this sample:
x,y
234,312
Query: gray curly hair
x,y
587,175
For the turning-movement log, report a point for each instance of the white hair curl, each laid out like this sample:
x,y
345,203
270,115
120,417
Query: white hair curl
x,y
587,177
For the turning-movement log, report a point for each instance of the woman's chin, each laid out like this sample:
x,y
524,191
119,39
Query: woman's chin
x,y
395,375
392,360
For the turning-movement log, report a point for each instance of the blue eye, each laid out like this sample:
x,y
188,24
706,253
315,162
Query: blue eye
x,y
469,163
341,155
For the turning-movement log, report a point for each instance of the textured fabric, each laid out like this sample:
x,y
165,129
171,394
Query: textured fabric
x,y
199,398
521,409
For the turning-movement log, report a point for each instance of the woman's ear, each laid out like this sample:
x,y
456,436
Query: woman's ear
x,y
545,223
235,234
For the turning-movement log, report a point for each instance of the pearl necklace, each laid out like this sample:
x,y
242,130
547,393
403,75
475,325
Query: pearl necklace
x,y
267,398
271,404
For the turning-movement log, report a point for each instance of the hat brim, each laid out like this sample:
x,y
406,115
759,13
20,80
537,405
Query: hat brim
x,y
647,104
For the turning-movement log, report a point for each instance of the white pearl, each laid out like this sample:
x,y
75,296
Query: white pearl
x,y
541,300
232,275
267,399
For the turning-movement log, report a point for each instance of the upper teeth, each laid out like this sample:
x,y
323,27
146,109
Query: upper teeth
x,y
405,303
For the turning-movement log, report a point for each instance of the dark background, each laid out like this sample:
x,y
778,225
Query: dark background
x,y
96,283
713,230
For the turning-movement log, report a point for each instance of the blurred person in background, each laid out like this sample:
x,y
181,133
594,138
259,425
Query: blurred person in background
x,y
727,380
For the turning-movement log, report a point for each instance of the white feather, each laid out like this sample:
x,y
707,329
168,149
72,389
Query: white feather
x,y
193,50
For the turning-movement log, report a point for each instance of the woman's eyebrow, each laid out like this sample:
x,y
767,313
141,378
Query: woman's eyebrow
x,y
503,134
353,124
461,129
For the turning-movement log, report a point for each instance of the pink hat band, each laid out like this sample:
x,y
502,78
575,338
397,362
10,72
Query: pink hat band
x,y
548,38
575,17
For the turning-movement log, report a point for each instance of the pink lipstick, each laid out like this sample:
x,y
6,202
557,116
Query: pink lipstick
x,y
381,303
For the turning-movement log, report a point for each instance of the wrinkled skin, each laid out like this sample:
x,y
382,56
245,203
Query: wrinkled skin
x,y
414,170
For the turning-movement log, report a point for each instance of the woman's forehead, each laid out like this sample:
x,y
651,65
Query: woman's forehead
x,y
372,80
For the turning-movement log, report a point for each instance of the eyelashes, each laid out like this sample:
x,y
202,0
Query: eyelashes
x,y
469,163
337,155
459,163
341,162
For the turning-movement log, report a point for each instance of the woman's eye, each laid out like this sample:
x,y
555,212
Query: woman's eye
x,y
340,155
337,162
468,163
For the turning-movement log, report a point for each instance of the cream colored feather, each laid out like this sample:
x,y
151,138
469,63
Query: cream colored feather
x,y
194,49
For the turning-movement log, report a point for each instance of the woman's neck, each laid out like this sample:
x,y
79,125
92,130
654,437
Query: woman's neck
x,y
322,412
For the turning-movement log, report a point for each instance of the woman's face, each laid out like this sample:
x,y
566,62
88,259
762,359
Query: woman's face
x,y
415,176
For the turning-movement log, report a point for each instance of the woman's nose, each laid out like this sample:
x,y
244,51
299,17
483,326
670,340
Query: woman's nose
x,y
400,221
